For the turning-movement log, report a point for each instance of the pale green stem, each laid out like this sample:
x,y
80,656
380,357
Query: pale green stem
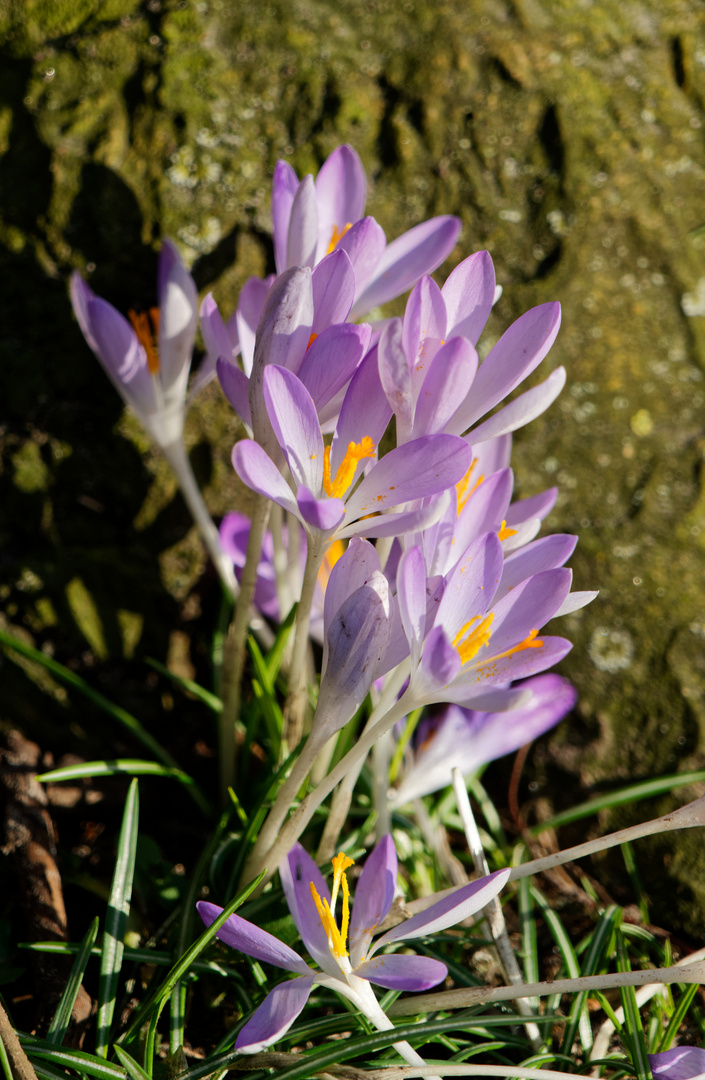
x,y
295,706
493,912
176,455
467,997
234,651
381,759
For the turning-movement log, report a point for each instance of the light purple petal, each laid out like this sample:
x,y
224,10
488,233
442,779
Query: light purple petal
x,y
178,316
236,387
448,380
485,509
494,700
408,521
341,191
522,410
275,1015
452,909
216,338
403,972
365,411
471,585
418,251
323,514
333,284
469,295
122,356
284,328
517,353
247,938
364,245
416,470
297,871
544,554
81,295
424,316
479,677
284,187
411,595
259,472
303,226
250,303
295,424
354,568
332,359
395,376
374,894
535,506
574,601
528,607
681,1063
440,662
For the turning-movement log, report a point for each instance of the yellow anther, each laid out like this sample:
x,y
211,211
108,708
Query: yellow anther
x,y
504,533
337,945
531,641
337,236
463,489
311,341
470,639
147,334
347,468
341,863
334,552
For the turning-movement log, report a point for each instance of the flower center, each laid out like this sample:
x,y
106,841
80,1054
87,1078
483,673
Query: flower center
x,y
337,236
147,334
470,639
463,489
337,938
354,454
504,532
531,641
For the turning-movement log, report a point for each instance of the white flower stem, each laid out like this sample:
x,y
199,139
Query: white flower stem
x,y
686,817
176,455
376,1015
295,706
493,912
476,995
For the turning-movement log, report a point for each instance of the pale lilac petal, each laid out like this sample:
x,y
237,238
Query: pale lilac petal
x,y
333,284
233,534
303,226
494,700
408,521
374,894
284,187
250,303
259,472
247,938
479,677
236,387
295,424
418,251
411,595
517,353
364,245
284,328
521,535
452,909
440,662
448,380
205,375
332,359
395,376
472,584
424,316
469,294
323,514
574,601
681,1063
401,972
178,316
354,568
493,455
341,191
544,554
365,411
81,295
528,607
122,356
216,338
275,1015
535,506
522,410
485,509
416,470
297,871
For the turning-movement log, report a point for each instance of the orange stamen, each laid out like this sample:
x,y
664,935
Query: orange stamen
x,y
529,642
311,341
345,475
330,558
146,335
337,939
463,489
470,639
504,533
336,236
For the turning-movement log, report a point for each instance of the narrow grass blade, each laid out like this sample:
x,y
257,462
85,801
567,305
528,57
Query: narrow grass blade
x,y
78,1060
266,694
529,939
176,1017
72,679
570,960
677,1018
116,919
648,789
5,1062
595,959
276,653
133,1070
212,701
633,1033
62,1016
138,956
128,767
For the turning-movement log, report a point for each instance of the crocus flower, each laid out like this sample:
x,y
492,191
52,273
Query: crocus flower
x,y
681,1063
466,739
344,949
314,218
148,358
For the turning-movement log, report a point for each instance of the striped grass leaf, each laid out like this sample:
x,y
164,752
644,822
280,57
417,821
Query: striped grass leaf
x,y
62,1016
128,767
81,1062
600,947
632,1031
560,936
133,1070
210,700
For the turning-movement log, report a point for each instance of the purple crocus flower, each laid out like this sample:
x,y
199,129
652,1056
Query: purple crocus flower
x,y
681,1063
325,494
148,358
314,218
344,950
466,739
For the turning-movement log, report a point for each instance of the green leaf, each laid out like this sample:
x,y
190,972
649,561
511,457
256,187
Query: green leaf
x,y
62,1016
72,679
5,1062
529,938
128,767
212,701
570,960
594,961
131,1067
78,1060
687,995
632,1033
116,919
